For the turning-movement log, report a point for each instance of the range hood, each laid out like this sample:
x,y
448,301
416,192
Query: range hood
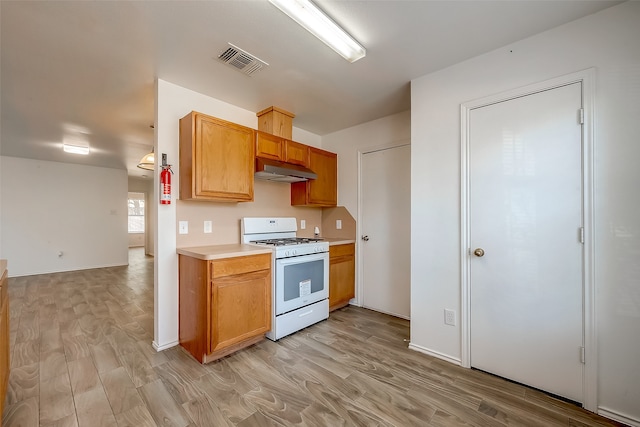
x,y
273,170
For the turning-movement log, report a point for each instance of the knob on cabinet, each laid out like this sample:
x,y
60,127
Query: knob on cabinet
x,y
479,252
365,238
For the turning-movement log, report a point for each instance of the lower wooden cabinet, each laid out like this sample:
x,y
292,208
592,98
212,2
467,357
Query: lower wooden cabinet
x,y
342,273
4,337
225,304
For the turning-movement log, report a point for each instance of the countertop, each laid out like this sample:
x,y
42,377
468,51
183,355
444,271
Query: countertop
x,y
338,241
223,251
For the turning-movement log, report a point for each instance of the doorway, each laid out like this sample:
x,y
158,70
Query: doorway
x,y
385,179
526,216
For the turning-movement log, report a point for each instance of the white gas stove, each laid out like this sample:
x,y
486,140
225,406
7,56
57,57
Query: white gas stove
x,y
300,273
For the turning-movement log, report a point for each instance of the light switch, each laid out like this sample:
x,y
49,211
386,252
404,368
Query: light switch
x,y
303,224
207,226
183,227
338,224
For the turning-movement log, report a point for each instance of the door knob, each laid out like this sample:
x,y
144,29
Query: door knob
x,y
479,252
365,238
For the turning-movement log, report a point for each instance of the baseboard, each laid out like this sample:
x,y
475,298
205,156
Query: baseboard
x,y
612,415
437,354
164,346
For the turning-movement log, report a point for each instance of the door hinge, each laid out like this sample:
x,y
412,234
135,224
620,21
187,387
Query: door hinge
x,y
581,116
582,357
581,232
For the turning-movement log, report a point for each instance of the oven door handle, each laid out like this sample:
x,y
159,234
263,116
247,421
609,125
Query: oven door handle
x,y
306,313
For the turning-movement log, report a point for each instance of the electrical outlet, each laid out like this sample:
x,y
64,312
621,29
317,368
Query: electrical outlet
x,y
207,226
449,317
338,224
183,227
303,224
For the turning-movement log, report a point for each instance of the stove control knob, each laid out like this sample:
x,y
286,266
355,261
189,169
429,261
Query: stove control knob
x,y
294,252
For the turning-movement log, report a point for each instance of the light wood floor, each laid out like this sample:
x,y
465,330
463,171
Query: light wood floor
x,y
82,356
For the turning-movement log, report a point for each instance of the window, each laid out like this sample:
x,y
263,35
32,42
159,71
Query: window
x,y
136,212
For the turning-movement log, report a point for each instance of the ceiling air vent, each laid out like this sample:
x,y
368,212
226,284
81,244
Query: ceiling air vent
x,y
245,62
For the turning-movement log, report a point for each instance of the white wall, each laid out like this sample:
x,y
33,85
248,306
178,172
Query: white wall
x,y
348,143
50,207
172,103
607,41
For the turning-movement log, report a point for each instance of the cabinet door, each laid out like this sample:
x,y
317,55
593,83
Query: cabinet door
x,y
216,159
269,146
342,268
296,153
322,191
241,308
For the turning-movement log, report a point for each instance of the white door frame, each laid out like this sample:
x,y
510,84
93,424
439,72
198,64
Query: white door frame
x,y
587,78
359,256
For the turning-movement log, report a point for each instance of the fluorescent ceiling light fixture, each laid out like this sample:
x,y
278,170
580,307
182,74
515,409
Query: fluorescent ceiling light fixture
x,y
148,161
75,149
320,25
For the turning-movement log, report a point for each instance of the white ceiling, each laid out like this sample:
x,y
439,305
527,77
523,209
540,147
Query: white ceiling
x,y
93,64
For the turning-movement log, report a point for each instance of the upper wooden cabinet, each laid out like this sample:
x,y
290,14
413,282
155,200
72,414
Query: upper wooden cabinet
x,y
322,191
285,150
296,153
269,146
276,121
216,159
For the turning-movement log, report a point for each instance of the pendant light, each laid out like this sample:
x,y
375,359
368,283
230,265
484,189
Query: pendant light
x,y
148,161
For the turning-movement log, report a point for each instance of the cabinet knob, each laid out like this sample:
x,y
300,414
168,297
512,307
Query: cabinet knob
x,y
365,238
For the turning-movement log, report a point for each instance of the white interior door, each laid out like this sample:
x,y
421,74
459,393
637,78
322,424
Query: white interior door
x,y
525,213
386,217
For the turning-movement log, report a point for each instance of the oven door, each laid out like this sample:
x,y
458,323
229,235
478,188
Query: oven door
x,y
301,281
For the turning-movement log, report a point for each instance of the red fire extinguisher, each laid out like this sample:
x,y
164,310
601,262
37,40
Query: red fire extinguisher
x,y
165,185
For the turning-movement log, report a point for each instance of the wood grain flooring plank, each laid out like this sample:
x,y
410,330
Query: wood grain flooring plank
x,y
25,353
68,421
21,414
257,419
50,339
180,388
135,417
277,397
232,404
104,357
164,410
56,399
24,383
155,358
306,370
121,392
226,375
52,364
83,375
318,415
75,347
203,413
139,369
93,410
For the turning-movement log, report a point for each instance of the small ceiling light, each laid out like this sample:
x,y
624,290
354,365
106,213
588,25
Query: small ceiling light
x,y
75,149
148,161
320,25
